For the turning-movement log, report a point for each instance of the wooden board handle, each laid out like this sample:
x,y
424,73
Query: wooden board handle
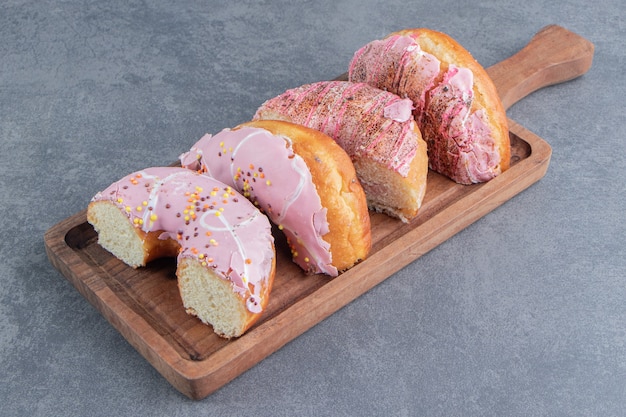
x,y
552,56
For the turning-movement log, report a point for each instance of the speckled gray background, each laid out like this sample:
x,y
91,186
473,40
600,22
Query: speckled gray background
x,y
523,313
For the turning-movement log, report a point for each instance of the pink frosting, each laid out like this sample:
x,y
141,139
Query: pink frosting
x,y
466,149
212,222
365,121
461,144
399,65
265,169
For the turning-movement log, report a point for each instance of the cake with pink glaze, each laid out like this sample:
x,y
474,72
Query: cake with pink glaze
x,y
223,243
376,129
302,180
457,106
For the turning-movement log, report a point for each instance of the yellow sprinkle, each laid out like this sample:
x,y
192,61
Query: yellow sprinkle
x,y
281,227
217,213
136,220
199,189
186,218
144,203
119,200
201,256
221,144
153,217
268,182
127,208
139,208
306,259
221,208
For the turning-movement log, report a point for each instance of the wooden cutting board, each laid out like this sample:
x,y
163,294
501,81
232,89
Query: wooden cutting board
x,y
144,304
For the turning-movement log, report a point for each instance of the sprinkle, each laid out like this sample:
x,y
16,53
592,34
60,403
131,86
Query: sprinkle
x,y
127,208
251,166
201,256
208,233
153,217
306,259
213,242
186,218
119,200
281,227
268,182
144,203
248,261
139,208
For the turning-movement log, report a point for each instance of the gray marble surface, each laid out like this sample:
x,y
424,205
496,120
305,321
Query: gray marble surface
x,y
523,313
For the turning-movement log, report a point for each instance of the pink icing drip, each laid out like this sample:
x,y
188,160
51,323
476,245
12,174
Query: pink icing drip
x,y
399,111
240,243
265,169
